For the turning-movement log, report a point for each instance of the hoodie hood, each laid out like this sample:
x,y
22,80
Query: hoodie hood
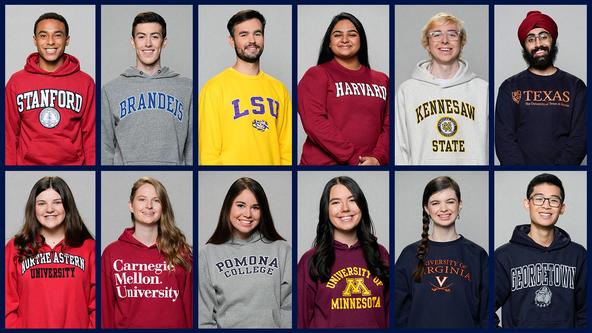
x,y
128,237
520,236
253,238
422,73
70,66
162,73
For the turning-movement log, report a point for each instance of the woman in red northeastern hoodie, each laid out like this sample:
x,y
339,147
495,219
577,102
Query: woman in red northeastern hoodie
x,y
50,263
343,280
146,273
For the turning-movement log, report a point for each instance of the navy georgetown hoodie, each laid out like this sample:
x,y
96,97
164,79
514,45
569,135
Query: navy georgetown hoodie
x,y
539,286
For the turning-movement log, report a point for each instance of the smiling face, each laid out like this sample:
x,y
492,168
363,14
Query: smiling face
x,y
51,41
245,214
146,206
538,48
247,40
49,210
544,216
443,208
443,49
344,213
345,40
148,43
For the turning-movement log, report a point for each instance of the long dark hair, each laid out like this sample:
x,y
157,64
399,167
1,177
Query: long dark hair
x,y
29,240
324,256
325,53
223,232
435,185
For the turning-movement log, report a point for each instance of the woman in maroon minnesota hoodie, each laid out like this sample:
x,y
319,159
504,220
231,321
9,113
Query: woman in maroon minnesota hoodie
x,y
146,273
343,280
50,263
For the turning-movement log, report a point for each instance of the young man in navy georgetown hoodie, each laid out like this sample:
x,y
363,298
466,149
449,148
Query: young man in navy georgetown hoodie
x,y
540,275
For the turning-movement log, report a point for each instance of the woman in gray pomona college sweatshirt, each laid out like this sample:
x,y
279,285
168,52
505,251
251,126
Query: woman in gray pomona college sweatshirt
x,y
245,268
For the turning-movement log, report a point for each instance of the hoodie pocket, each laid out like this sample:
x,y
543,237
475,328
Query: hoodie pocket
x,y
250,317
53,151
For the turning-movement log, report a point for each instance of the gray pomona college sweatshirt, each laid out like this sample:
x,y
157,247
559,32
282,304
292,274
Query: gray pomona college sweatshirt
x,y
147,120
245,284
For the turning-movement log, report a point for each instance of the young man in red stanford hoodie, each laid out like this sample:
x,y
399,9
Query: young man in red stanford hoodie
x,y
50,104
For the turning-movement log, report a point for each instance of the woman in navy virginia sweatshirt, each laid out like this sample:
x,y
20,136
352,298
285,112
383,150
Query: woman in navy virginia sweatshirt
x,y
441,281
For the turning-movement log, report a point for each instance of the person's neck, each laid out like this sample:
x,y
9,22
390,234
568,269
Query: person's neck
x,y
146,233
543,72
148,69
347,238
51,66
247,68
349,63
444,70
53,236
543,236
444,234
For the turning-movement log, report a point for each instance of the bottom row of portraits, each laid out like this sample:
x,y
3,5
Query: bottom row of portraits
x,y
343,274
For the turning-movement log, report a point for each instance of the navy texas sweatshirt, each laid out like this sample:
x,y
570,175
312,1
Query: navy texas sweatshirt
x,y
539,286
453,289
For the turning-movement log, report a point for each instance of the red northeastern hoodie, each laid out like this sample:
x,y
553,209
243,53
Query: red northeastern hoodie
x,y
50,116
53,289
352,298
139,289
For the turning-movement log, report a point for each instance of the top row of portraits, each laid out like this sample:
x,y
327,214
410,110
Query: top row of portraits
x,y
344,98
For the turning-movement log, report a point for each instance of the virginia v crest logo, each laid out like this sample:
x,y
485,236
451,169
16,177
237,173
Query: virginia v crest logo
x,y
442,286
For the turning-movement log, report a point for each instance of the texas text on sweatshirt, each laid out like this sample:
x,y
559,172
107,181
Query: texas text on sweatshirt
x,y
245,284
345,114
50,116
139,289
53,289
538,286
453,288
541,119
441,121
352,298
147,119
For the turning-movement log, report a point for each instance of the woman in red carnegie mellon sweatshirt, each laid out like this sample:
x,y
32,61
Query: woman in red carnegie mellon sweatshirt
x,y
343,280
50,263
146,273
343,104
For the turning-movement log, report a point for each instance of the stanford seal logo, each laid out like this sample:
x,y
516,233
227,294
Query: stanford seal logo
x,y
447,126
260,125
516,96
49,117
542,297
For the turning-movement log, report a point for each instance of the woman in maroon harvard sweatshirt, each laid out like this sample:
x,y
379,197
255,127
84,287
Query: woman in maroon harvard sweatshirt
x,y
50,263
343,104
343,280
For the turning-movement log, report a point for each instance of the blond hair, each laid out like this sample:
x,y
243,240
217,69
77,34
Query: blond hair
x,y
443,18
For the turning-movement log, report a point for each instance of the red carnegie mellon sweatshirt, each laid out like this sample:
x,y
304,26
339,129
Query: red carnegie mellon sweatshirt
x,y
345,114
139,290
352,298
53,289
50,116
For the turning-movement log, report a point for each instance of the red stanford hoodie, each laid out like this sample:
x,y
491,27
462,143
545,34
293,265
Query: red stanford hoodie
x,y
139,289
53,289
50,116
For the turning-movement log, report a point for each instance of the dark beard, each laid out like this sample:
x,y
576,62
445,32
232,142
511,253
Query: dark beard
x,y
540,63
250,59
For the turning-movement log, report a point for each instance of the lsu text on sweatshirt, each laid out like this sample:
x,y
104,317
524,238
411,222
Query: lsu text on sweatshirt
x,y
540,287
345,114
139,289
50,116
245,284
352,298
53,289
453,289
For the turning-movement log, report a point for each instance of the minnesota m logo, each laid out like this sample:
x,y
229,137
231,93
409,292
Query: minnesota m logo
x,y
356,286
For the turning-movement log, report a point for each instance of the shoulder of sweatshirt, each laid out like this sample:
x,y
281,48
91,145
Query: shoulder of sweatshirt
x,y
379,76
305,258
473,247
516,77
314,73
10,245
408,252
571,77
383,251
114,246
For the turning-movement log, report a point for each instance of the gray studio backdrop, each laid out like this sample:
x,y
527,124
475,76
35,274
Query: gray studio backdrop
x,y
510,191
215,54
410,19
571,41
18,34
19,184
374,184
115,191
117,54
313,21
474,215
213,186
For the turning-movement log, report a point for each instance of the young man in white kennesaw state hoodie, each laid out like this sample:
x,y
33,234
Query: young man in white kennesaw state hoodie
x,y
441,112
